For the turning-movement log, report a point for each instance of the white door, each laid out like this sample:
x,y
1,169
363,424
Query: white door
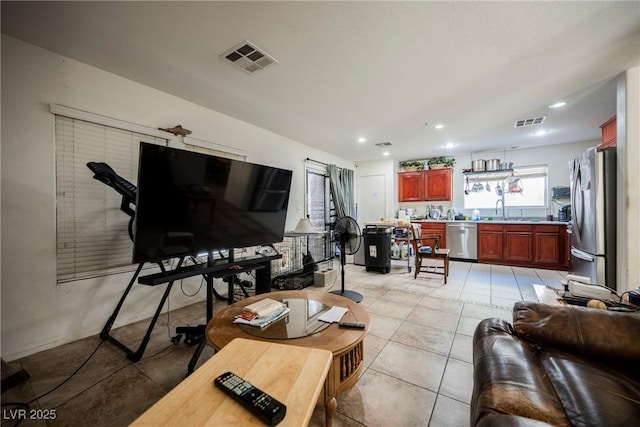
x,y
372,198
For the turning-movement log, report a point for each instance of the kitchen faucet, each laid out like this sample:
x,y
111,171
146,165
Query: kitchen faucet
x,y
500,201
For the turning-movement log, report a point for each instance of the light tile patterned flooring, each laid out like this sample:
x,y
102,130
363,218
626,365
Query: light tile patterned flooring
x,y
418,355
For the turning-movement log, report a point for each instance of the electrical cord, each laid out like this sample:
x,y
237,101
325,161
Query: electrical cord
x,y
25,405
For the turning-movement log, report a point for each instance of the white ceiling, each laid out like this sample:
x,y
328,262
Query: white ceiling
x,y
375,69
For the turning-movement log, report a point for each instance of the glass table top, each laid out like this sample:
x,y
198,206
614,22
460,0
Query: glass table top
x,y
301,321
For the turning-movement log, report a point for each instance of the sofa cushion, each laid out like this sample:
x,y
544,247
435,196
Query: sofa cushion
x,y
509,377
559,365
592,393
504,420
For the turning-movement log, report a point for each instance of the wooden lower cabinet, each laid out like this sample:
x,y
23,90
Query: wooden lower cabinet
x,y
551,246
526,245
518,244
435,228
490,242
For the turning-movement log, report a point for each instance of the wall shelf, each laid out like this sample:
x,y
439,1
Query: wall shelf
x,y
492,174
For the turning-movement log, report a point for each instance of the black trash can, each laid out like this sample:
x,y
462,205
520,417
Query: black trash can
x,y
377,248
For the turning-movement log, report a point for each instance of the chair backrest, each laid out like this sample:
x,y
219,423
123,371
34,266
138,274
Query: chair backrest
x,y
418,240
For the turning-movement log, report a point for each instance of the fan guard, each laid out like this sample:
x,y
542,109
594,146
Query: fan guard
x,y
347,234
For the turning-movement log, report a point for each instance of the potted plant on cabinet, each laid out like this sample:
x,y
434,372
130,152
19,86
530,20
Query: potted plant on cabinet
x,y
441,162
412,165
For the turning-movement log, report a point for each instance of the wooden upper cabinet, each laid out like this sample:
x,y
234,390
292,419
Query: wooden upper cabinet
x,y
609,134
438,184
429,185
410,186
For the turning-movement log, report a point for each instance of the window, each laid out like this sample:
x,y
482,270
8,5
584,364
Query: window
x,y
318,197
319,203
531,180
211,151
91,230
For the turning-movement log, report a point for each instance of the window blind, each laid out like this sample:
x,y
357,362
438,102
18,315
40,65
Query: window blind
x,y
92,238
213,151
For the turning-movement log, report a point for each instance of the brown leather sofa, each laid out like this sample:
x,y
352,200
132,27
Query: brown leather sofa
x,y
557,365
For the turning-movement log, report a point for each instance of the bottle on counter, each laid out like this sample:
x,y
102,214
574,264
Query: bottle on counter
x,y
475,216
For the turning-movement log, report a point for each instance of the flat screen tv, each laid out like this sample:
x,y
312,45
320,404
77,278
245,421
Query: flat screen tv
x,y
189,203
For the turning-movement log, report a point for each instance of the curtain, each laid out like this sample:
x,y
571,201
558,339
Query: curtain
x,y
342,191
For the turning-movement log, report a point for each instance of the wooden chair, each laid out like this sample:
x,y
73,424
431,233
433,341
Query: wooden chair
x,y
418,241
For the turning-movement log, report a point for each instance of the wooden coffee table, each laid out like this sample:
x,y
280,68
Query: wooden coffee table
x,y
197,402
346,345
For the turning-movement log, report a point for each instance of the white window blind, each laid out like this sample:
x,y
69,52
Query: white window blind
x,y
213,151
92,237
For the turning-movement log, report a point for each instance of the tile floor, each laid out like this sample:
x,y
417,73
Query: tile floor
x,y
418,357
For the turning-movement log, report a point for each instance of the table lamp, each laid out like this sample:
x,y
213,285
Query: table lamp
x,y
304,226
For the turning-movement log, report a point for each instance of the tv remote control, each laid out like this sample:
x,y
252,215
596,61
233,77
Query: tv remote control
x,y
352,325
255,400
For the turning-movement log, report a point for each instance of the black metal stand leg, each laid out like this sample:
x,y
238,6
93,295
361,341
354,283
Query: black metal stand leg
x,y
196,355
202,328
104,334
136,355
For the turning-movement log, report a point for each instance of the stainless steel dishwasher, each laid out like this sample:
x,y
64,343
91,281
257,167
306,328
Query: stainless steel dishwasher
x,y
462,240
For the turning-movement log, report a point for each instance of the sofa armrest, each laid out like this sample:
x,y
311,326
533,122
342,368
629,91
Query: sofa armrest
x,y
599,334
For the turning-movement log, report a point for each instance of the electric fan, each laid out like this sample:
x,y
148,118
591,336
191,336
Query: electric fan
x,y
347,234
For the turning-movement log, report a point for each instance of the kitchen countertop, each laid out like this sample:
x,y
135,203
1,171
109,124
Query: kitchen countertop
x,y
482,221
496,221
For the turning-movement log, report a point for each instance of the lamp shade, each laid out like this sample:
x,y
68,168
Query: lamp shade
x,y
304,226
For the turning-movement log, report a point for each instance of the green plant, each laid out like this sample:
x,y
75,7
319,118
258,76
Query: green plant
x,y
442,160
412,164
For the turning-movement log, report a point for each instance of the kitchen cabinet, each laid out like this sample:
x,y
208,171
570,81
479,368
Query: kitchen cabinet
x,y
429,185
518,243
526,245
550,246
609,133
438,184
410,186
490,238
435,228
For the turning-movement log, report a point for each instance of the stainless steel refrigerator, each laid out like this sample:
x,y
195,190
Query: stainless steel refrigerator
x,y
593,205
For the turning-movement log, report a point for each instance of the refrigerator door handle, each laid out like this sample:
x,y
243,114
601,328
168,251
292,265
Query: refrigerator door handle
x,y
582,255
577,201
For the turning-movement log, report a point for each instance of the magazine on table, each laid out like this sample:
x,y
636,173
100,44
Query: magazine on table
x,y
262,313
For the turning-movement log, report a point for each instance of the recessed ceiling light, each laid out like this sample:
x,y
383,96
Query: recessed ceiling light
x,y
558,104
541,132
449,145
386,153
362,139
438,126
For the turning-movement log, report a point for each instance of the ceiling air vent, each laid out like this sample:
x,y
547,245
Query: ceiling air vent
x,y
529,122
248,57
384,144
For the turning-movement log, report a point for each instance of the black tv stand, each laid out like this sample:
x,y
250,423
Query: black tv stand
x,y
209,270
